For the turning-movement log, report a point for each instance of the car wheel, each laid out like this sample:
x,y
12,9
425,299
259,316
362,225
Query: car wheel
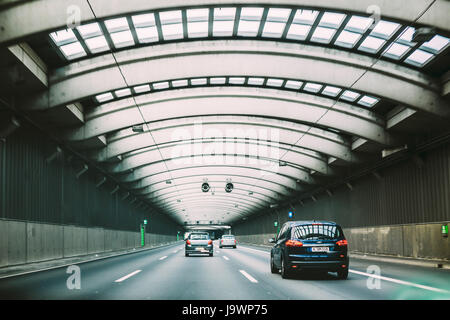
x,y
343,274
211,254
273,269
234,247
186,254
285,274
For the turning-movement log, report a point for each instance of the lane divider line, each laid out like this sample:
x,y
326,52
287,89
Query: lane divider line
x,y
162,258
128,276
226,258
249,277
406,283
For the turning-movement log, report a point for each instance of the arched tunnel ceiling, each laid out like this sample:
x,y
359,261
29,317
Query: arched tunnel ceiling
x,y
275,98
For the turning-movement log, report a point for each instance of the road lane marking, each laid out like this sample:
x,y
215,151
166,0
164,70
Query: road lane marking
x,y
162,258
407,283
128,276
379,277
249,277
226,258
175,251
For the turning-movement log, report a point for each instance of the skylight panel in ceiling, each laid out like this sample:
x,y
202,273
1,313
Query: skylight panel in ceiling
x,y
223,22
331,91
274,82
161,85
63,37
371,44
171,24
359,24
104,97
312,87
305,16
142,89
406,36
276,22
436,44
292,84
331,20
384,29
396,50
350,95
217,80
236,80
90,30
197,22
198,81
97,44
368,101
419,58
122,93
298,31
73,50
255,81
347,39
250,21
323,35
180,83
145,26
120,32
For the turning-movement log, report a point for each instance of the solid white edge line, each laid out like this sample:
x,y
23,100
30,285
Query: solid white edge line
x,y
128,276
407,283
225,257
162,258
380,277
249,277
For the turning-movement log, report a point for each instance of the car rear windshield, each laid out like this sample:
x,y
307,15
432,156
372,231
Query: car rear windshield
x,y
228,237
199,236
316,232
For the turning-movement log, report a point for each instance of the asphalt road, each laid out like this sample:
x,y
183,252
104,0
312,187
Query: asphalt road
x,y
231,274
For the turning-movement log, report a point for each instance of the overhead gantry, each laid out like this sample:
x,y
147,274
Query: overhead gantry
x,y
274,98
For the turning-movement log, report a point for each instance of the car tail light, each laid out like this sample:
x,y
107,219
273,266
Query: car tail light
x,y
188,242
234,241
342,243
210,242
221,241
294,243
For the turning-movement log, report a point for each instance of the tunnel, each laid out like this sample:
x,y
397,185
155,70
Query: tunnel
x,y
130,128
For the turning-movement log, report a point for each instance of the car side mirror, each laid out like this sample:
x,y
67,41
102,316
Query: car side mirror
x,y
272,240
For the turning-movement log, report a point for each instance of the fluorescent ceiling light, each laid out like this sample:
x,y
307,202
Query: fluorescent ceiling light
x,y
170,17
149,34
347,39
197,29
278,15
312,87
396,50
254,14
73,50
161,85
368,101
436,44
350,95
248,28
195,15
255,81
224,13
198,82
122,92
172,31
371,44
223,28
220,80
236,80
180,83
273,29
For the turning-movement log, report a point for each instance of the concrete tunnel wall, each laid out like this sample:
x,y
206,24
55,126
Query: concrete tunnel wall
x,y
399,214
48,212
27,242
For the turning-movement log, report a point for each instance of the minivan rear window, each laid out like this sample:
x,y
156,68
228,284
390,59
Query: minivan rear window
x,y
316,232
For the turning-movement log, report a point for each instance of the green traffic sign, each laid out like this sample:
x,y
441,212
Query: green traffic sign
x,y
275,224
145,221
444,229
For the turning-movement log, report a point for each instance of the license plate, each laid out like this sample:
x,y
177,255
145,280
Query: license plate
x,y
320,249
199,249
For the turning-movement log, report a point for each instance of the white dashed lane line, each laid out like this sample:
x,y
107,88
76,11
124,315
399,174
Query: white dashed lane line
x,y
162,258
128,276
226,258
249,277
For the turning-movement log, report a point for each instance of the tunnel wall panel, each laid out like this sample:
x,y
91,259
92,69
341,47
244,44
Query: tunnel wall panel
x,y
38,184
24,242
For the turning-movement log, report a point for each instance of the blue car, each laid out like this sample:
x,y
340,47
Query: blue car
x,y
309,245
